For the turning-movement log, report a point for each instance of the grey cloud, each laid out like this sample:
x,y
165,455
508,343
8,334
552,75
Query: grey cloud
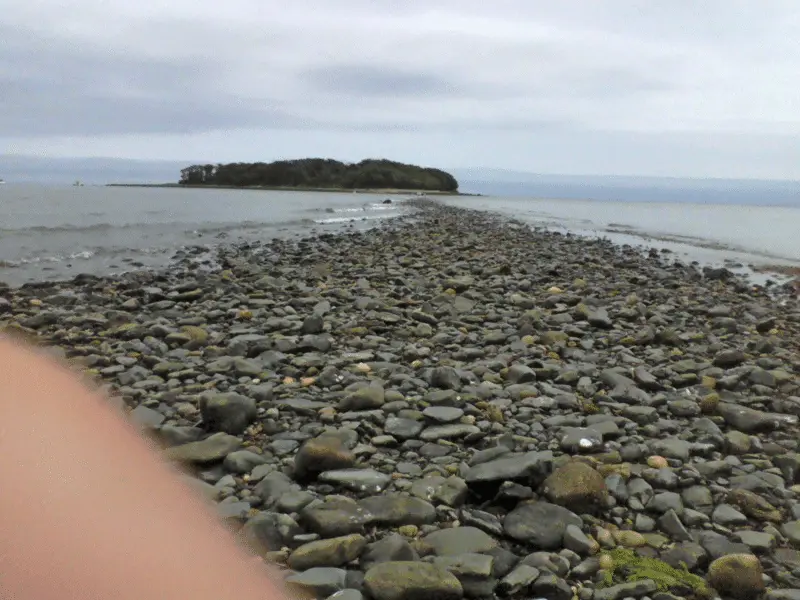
x,y
379,80
52,88
455,69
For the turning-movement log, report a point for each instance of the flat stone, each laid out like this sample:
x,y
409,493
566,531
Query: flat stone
x,y
404,429
448,432
459,540
405,580
443,414
320,581
510,466
358,480
540,523
212,449
633,589
332,552
397,509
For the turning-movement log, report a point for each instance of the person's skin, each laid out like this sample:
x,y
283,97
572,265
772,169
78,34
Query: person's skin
x,y
89,511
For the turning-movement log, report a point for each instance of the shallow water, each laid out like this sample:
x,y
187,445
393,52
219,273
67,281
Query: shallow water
x,y
58,232
713,234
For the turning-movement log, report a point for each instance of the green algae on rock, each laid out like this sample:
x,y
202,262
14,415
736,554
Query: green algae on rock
x,y
628,566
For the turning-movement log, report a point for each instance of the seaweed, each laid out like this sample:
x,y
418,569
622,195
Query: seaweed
x,y
627,566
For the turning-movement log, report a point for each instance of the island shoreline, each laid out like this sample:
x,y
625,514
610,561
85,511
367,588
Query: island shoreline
x,y
376,191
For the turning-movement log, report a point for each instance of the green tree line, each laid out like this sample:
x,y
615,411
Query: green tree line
x,y
321,173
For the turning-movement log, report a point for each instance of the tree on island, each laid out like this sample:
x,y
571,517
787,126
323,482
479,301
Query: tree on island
x,y
321,173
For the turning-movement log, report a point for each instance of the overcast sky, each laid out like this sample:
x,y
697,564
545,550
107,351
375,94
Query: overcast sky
x,y
653,87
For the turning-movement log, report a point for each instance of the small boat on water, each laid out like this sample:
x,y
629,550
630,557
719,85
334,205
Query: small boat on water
x,y
2,181
78,184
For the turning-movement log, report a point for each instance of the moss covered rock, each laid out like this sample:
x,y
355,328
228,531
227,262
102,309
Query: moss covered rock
x,y
737,575
575,485
407,580
198,337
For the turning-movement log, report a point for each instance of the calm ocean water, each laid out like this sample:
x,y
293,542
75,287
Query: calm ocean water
x,y
58,232
718,223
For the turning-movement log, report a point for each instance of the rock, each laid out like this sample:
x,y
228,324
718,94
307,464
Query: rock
x,y
323,453
746,419
518,580
548,585
273,486
633,589
230,413
443,414
737,575
446,378
313,324
599,318
404,580
365,398
392,547
672,448
358,480
212,449
335,517
459,540
791,530
267,531
514,466
319,582
540,524
727,516
242,461
576,486
334,552
398,509
729,358
448,432
577,541
474,572
404,429
518,373
754,506
581,439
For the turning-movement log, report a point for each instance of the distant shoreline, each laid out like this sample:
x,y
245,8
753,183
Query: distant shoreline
x,y
293,189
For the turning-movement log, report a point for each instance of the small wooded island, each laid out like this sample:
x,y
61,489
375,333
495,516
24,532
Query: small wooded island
x,y
321,173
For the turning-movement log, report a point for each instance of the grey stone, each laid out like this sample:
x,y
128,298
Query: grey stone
x,y
397,509
230,412
518,580
510,467
577,541
242,461
335,517
320,581
728,516
393,547
581,439
212,449
443,414
405,580
358,480
540,523
459,540
448,432
445,378
403,429
633,589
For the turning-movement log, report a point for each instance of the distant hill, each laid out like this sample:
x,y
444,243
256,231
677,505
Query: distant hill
x,y
321,173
